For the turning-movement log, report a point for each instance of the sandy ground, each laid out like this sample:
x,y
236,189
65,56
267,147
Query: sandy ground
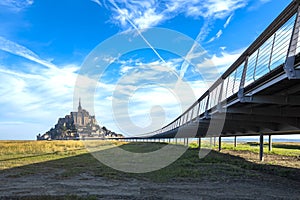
x,y
270,187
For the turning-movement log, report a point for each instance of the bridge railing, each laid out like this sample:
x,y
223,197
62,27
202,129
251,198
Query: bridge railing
x,y
267,53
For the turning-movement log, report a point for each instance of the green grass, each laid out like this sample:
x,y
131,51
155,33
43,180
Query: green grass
x,y
70,158
284,149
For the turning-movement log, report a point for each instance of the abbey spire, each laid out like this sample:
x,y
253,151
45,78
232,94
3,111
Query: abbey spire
x,y
79,106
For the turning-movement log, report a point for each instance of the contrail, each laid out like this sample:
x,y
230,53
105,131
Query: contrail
x,y
19,50
137,30
187,59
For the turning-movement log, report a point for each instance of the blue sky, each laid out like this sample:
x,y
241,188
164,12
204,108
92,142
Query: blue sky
x,y
43,44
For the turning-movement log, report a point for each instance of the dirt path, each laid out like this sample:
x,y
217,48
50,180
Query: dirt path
x,y
260,186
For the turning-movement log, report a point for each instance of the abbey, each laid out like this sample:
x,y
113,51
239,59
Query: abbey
x,y
77,125
82,117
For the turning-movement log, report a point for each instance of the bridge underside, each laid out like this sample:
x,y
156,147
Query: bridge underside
x,y
268,109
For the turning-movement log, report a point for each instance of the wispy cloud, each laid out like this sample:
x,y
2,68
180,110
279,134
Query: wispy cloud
x,y
220,32
258,4
43,94
228,21
125,16
40,94
19,50
222,62
35,94
97,2
217,36
145,14
16,5
210,10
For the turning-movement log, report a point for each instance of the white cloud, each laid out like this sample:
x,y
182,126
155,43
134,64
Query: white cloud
x,y
34,94
257,4
97,2
44,94
222,62
228,21
148,19
145,14
220,32
41,95
16,5
19,50
221,9
211,39
125,69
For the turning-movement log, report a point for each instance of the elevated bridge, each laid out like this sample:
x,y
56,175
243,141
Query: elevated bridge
x,y
259,94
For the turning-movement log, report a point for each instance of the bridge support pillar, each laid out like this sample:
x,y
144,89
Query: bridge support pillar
x,y
214,141
220,143
210,141
270,142
235,141
175,140
261,147
187,142
199,143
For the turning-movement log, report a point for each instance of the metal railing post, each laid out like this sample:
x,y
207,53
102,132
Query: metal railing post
x,y
256,61
271,54
220,98
206,106
240,94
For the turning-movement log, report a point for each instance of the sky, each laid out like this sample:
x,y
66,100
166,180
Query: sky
x,y
47,47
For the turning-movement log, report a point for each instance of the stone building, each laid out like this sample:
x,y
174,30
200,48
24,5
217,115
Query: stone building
x,y
82,117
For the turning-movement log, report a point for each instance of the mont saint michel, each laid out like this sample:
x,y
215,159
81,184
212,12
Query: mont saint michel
x,y
78,125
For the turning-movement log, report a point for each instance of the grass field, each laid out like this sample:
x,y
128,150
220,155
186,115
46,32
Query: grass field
x,y
278,148
62,164
284,149
71,155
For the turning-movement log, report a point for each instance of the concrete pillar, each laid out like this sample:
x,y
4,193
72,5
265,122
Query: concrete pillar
x,y
270,142
175,140
234,141
187,142
169,140
199,143
210,141
261,147
220,143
